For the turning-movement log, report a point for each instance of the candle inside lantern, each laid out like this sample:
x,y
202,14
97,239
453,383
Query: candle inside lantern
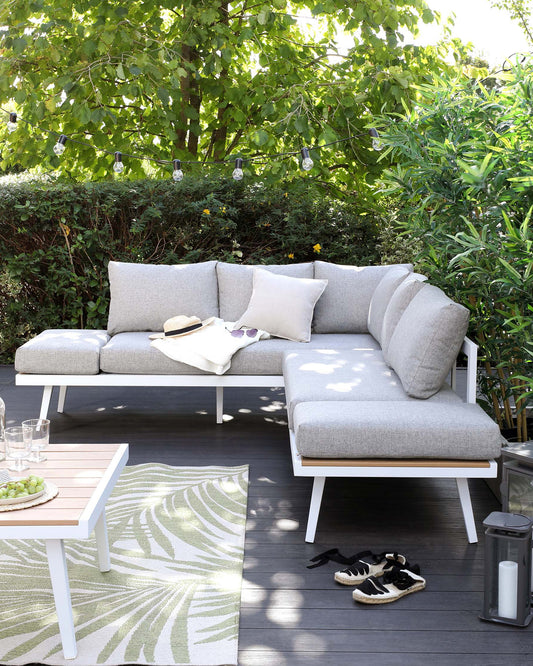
x,y
508,589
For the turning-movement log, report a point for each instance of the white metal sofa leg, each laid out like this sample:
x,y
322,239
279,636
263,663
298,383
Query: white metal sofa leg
x,y
220,404
314,508
45,402
61,399
466,506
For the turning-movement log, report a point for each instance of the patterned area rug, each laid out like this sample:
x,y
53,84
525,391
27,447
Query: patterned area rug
x,y
176,537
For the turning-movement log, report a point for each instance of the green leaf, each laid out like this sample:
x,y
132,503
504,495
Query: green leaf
x,y
88,47
263,16
260,137
19,45
163,95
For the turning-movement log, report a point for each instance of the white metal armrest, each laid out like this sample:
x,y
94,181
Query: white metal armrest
x,y
470,348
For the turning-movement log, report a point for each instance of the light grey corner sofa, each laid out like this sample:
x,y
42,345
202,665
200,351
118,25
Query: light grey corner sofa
x,y
366,396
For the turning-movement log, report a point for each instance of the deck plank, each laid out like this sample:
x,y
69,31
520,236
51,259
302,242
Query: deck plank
x,y
291,615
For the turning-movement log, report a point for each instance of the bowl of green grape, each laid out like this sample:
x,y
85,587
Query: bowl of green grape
x,y
17,491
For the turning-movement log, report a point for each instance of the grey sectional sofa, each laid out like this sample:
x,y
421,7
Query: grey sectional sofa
x,y
366,396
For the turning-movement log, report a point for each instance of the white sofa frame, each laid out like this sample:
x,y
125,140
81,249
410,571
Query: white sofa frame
x,y
319,469
102,380
460,470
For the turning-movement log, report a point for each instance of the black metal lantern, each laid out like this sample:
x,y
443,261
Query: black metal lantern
x,y
507,569
517,479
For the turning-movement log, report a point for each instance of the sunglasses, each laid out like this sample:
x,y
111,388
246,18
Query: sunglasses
x,y
238,332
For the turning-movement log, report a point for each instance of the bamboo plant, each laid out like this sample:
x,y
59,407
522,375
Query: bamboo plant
x,y
464,182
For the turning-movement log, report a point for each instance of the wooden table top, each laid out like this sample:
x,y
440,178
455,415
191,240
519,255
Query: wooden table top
x,y
76,469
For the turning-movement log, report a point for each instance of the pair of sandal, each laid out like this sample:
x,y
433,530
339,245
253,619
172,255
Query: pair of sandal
x,y
398,577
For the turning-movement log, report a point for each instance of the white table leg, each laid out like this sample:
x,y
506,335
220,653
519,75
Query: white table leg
x,y
60,585
102,544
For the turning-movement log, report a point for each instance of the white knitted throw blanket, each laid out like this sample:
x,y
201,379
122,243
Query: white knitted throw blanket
x,y
211,348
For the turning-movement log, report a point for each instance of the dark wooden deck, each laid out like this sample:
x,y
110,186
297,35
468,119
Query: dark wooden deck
x,y
292,616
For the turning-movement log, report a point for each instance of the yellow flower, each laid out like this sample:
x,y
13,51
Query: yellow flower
x,y
223,209
291,255
206,211
317,248
286,194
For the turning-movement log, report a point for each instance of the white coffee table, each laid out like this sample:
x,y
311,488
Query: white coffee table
x,y
85,475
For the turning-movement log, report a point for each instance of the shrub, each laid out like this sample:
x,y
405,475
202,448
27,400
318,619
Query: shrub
x,y
465,186
56,240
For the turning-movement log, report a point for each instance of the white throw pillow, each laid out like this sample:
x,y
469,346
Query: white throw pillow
x,y
282,306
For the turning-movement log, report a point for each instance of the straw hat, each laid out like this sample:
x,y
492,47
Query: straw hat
x,y
180,325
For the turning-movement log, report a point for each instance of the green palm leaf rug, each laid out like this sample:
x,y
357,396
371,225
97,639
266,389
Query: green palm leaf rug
x,y
176,538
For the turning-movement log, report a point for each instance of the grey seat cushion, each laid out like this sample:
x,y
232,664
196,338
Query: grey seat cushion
x,y
266,356
381,297
235,284
378,429
344,305
144,296
343,375
62,352
426,341
131,353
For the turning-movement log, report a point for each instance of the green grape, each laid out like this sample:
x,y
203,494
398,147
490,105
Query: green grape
x,y
22,488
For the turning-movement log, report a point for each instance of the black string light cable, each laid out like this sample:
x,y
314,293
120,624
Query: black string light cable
x,y
177,173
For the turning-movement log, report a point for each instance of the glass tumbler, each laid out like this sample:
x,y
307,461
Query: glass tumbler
x,y
18,447
40,436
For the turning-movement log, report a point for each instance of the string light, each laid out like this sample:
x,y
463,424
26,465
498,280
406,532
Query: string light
x,y
238,172
59,148
377,144
118,166
12,122
177,174
307,162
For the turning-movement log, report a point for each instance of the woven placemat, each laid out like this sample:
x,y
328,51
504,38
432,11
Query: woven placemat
x,y
50,491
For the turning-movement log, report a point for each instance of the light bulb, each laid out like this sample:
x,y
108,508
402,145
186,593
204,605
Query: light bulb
x,y
12,122
377,144
177,174
118,166
307,162
238,172
59,148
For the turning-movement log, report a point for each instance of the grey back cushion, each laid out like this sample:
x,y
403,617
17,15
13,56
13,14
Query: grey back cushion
x,y
426,341
399,301
144,296
381,297
235,284
344,305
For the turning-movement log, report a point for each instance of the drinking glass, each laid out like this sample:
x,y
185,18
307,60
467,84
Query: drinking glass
x,y
40,435
18,447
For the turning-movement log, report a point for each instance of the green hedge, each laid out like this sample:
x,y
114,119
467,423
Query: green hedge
x,y
56,240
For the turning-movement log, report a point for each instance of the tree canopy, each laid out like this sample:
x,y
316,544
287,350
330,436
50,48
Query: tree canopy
x,y
205,80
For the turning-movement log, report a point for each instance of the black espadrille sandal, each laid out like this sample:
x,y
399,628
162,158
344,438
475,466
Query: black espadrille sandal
x,y
369,565
395,583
